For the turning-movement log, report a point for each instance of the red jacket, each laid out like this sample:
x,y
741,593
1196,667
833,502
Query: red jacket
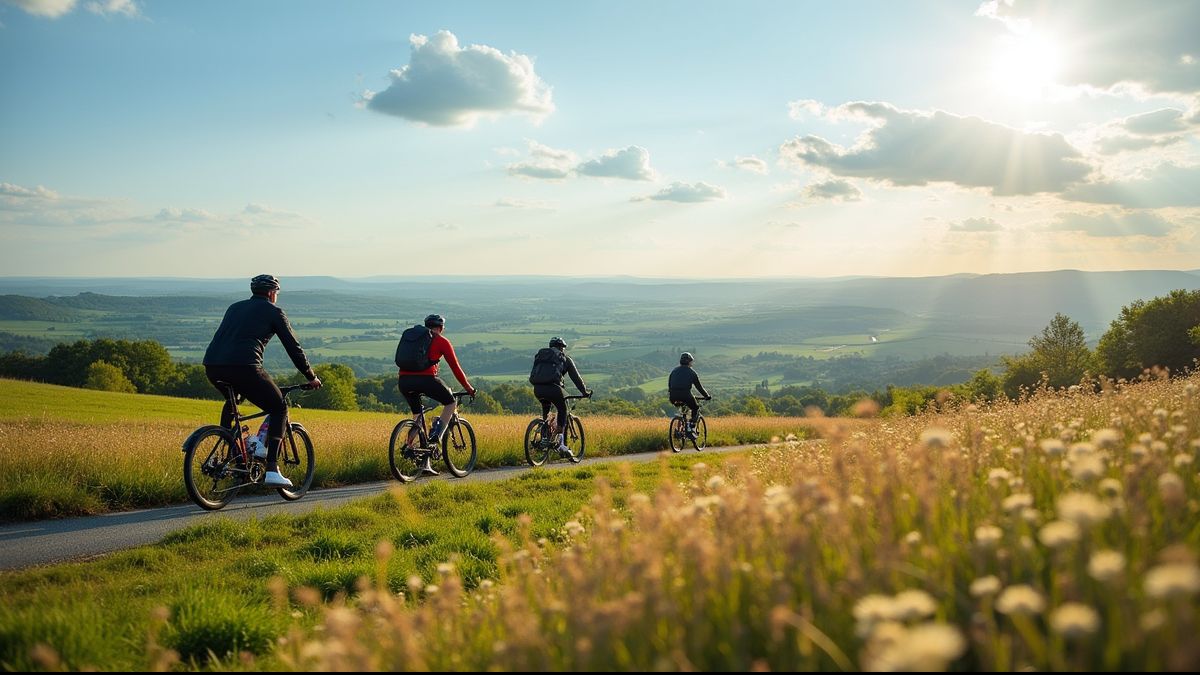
x,y
439,348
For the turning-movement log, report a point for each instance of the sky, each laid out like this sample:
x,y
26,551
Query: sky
x,y
689,139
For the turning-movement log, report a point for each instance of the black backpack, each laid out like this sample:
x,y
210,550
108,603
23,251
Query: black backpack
x,y
548,366
412,354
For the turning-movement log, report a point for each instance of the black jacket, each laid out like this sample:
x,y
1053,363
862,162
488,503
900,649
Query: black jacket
x,y
573,372
245,331
682,379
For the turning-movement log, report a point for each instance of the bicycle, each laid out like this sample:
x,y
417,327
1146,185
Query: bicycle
x,y
409,445
680,436
539,441
217,464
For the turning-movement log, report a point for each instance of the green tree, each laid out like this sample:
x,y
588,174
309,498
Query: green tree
x,y
104,376
1160,332
984,386
1061,352
755,407
485,404
337,388
1021,374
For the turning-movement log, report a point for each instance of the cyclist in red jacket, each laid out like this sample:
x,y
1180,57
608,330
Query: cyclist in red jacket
x,y
414,383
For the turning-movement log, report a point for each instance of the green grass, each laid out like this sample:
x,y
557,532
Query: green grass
x,y
215,578
67,451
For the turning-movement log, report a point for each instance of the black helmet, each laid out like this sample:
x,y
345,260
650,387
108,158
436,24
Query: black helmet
x,y
435,321
264,283
558,342
686,358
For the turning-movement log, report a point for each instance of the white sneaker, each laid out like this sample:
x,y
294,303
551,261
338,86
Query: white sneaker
x,y
276,479
260,452
428,468
562,447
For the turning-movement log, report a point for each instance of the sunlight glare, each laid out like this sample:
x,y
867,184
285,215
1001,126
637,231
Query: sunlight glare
x,y
1025,66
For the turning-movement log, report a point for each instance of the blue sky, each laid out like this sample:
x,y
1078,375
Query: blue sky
x,y
682,139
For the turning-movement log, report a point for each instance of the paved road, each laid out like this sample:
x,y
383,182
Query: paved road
x,y
50,541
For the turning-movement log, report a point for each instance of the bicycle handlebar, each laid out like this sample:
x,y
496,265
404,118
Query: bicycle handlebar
x,y
575,397
294,387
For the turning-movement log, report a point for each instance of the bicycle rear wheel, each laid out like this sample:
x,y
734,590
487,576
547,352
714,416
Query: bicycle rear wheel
x,y
537,448
296,462
677,433
458,447
576,442
211,468
402,456
701,439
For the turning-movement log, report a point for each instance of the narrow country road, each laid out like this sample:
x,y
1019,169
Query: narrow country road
x,y
51,541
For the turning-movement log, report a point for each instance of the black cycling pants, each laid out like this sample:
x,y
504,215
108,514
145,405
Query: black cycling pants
x,y
689,400
257,386
412,386
552,394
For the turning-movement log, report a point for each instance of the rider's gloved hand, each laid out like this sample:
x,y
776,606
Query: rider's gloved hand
x,y
315,383
471,391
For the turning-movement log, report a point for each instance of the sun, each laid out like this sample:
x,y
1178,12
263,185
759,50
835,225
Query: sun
x,y
1026,66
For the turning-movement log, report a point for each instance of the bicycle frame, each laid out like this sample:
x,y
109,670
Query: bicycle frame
x,y
419,420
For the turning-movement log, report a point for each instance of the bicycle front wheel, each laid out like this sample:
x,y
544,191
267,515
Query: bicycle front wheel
x,y
402,458
537,445
576,442
211,469
296,462
458,447
701,439
677,433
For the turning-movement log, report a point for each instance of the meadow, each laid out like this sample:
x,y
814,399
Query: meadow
x,y
69,452
1058,533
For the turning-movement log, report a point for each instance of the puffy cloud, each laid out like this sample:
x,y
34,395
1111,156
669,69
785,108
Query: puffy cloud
x,y
686,192
1111,145
1162,121
177,215
545,162
1123,224
632,163
1152,45
448,85
15,194
751,164
127,8
1159,128
976,225
834,190
915,148
51,9
1164,186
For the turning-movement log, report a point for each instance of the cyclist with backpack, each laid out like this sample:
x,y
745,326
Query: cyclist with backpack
x,y
417,356
235,355
549,366
679,388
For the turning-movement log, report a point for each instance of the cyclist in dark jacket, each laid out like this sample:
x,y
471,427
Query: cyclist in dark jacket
x,y
679,387
235,355
555,393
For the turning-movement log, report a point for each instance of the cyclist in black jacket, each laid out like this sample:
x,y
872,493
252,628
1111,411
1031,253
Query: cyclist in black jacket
x,y
679,387
554,393
235,355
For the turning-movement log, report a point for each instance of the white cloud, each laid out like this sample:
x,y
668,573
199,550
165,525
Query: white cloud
x,y
834,190
1155,129
13,194
1164,186
631,163
1122,224
447,85
1162,121
976,225
916,148
1111,145
186,215
545,162
531,204
1151,45
127,8
806,107
51,9
686,192
751,164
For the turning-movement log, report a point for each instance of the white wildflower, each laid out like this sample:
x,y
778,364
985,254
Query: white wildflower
x,y
913,604
1087,468
1018,502
989,585
937,438
998,475
1173,580
1106,438
1074,620
1083,509
1111,487
988,536
1105,566
1020,599
1058,533
1053,447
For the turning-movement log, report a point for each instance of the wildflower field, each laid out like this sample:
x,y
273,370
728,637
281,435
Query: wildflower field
x,y
1059,533
67,452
